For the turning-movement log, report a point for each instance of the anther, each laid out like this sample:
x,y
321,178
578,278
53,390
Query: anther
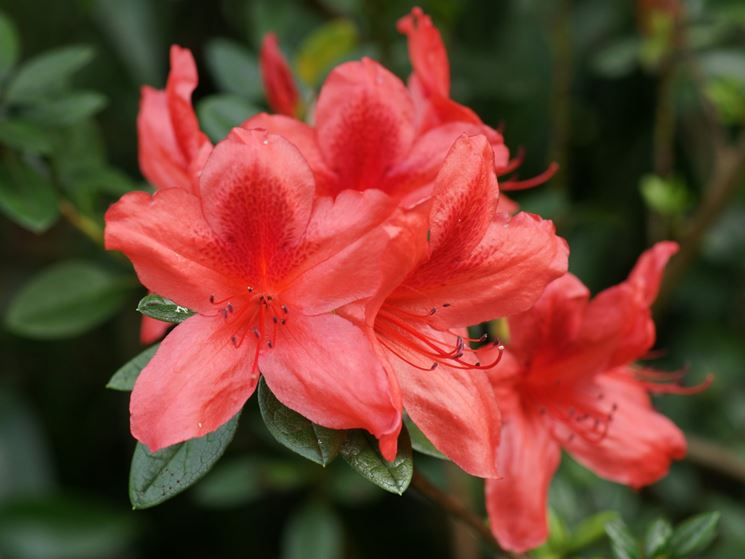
x,y
446,305
250,289
275,319
285,309
269,343
282,321
229,308
257,333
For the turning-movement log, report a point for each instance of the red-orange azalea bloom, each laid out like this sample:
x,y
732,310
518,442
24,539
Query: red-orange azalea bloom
x,y
265,265
279,85
567,380
479,264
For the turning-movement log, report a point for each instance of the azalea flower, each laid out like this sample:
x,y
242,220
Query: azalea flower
x,y
279,85
264,264
567,380
480,264
172,148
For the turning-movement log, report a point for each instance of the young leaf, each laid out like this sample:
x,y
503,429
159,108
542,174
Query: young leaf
x,y
124,379
9,45
163,309
27,196
234,68
420,442
155,477
44,73
694,535
311,441
220,113
313,532
657,538
360,451
66,300
623,543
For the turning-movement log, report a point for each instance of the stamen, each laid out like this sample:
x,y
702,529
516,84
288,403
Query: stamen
x,y
530,183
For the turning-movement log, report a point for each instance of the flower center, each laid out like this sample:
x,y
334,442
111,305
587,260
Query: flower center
x,y
415,339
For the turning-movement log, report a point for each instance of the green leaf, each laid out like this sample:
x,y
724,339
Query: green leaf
x,y
234,68
420,442
25,136
360,450
163,309
65,109
623,543
45,73
66,300
327,45
27,196
668,197
157,476
694,535
220,113
590,530
657,538
558,534
9,45
124,379
617,59
313,532
311,441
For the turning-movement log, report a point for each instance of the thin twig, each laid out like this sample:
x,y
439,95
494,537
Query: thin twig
x,y
84,224
456,510
715,457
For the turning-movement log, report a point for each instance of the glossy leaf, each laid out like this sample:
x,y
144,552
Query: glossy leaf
x,y
155,477
9,45
124,378
234,68
220,113
45,73
694,535
623,543
66,300
27,196
163,309
360,450
313,532
311,441
657,538
420,442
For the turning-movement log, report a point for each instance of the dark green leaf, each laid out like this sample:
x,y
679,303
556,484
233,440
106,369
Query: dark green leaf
x,y
694,535
45,73
66,108
27,196
220,113
623,543
25,136
124,379
162,309
9,45
420,442
657,538
234,69
65,300
157,476
311,441
360,450
313,532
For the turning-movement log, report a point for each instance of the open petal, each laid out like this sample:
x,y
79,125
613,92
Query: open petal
x,y
172,248
457,411
505,274
639,444
257,193
196,382
326,369
182,81
647,273
427,52
279,85
151,330
364,122
517,503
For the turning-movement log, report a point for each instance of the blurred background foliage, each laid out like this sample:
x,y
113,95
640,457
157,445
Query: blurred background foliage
x,y
642,105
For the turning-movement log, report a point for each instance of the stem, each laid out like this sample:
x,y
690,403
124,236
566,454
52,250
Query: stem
x,y
456,510
84,224
711,455
561,94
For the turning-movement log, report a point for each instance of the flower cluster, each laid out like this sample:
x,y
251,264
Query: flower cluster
x,y
343,261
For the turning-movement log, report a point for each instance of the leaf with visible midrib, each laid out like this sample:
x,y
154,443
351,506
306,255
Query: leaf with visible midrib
x,y
163,309
360,451
311,441
157,476
124,378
